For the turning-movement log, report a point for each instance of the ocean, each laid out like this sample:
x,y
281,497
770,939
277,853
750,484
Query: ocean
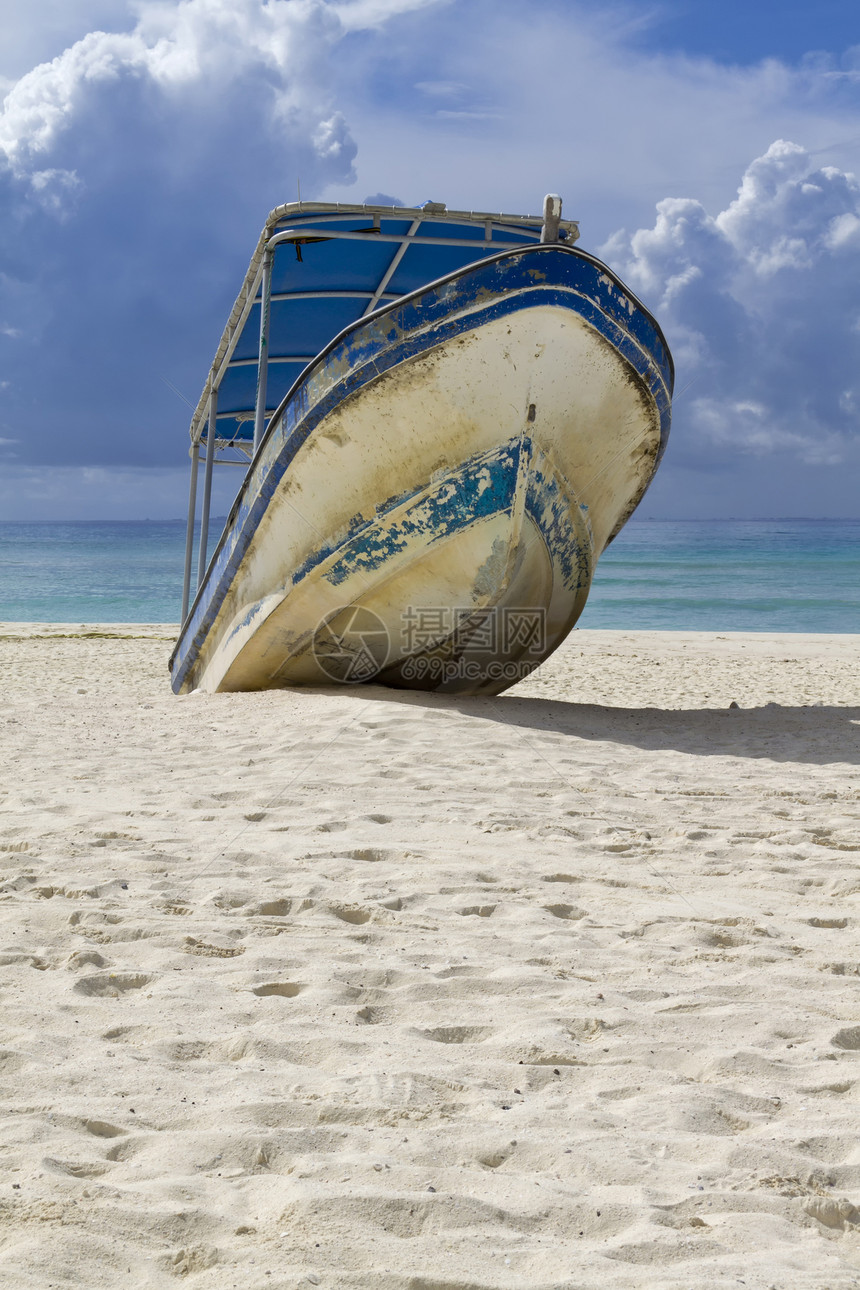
x,y
665,575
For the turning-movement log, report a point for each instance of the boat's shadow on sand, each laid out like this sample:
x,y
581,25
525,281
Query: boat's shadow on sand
x,y
820,735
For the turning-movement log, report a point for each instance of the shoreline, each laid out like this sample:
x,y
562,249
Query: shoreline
x,y
28,627
374,988
604,665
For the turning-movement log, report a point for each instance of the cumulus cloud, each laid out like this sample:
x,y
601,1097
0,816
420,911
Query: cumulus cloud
x,y
760,305
205,46
139,164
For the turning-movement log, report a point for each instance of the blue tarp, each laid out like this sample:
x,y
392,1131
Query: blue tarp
x,y
321,284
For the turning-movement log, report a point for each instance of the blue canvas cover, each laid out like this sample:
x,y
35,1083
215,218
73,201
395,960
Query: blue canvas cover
x,y
330,266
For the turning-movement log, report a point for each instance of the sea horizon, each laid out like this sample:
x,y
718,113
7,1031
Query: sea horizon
x,y
659,574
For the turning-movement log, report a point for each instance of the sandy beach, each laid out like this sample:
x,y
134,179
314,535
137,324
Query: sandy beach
x,y
360,988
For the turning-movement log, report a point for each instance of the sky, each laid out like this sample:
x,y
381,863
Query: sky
x,y
709,150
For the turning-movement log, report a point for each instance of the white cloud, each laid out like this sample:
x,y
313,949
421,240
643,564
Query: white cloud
x,y
194,45
564,98
759,304
34,32
361,14
752,428
42,102
331,138
844,231
161,145
785,210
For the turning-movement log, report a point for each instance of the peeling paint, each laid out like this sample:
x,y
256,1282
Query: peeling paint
x,y
477,491
420,334
490,576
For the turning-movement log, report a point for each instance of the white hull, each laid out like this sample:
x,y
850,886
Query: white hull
x,y
541,385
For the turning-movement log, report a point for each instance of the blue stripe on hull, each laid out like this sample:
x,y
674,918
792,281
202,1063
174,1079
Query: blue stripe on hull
x,y
481,488
485,486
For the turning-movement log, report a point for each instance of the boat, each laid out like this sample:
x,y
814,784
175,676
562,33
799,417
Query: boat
x,y
442,418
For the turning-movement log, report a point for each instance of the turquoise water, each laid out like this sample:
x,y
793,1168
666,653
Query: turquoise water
x,y
752,575
730,575
93,572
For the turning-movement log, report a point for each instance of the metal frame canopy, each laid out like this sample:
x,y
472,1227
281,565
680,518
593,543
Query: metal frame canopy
x,y
317,269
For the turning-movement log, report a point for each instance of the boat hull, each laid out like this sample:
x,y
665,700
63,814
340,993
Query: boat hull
x,y
430,501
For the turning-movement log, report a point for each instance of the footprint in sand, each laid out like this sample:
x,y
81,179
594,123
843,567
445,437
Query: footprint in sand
x,y
104,985
126,1149
186,1261
494,1157
848,1038
173,907
350,913
555,1060
374,1016
280,907
840,1215
206,950
80,959
11,1062
372,855
103,1129
76,1169
458,1034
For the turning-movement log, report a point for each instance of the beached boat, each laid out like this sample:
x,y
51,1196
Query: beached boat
x,y
444,417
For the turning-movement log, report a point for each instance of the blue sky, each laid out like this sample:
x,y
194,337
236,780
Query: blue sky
x,y
738,31
709,151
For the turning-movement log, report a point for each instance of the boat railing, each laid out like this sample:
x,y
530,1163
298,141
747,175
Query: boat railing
x,y
303,224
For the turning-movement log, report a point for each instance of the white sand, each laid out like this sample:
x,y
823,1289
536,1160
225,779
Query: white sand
x,y
357,988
